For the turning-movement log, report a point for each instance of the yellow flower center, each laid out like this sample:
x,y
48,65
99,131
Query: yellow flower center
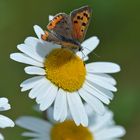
x,y
65,69
69,131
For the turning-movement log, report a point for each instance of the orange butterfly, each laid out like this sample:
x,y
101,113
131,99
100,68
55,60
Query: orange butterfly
x,y
69,30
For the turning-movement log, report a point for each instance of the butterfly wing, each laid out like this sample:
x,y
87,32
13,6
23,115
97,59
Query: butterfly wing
x,y
50,37
80,20
47,36
61,25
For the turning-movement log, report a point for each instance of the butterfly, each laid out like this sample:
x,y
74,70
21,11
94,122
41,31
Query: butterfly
x,y
69,30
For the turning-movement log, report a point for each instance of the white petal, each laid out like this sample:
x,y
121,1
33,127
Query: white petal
x,y
95,103
34,124
29,51
38,89
99,125
31,134
43,91
31,82
6,122
90,44
82,112
22,58
49,98
65,111
37,136
102,67
1,137
34,70
110,133
96,94
104,77
49,113
73,109
38,30
59,104
51,17
40,47
77,109
101,83
108,94
89,110
4,105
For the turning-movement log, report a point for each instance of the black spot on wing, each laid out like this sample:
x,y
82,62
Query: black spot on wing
x,y
75,21
78,17
84,24
85,14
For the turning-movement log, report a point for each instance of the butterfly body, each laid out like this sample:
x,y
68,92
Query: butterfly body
x,y
69,30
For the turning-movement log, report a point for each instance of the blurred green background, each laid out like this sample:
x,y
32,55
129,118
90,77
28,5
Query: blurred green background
x,y
115,22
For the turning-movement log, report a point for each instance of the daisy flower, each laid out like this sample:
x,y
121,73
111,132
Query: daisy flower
x,y
100,128
5,121
63,79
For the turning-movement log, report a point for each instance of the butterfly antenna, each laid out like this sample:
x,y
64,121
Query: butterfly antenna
x,y
96,54
83,55
93,52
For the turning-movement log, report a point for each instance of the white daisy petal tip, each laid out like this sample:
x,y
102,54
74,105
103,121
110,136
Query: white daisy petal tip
x,y
19,46
115,89
12,56
4,104
121,130
22,90
6,122
12,124
31,97
119,68
21,85
38,30
42,108
51,17
96,39
3,100
85,124
115,67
